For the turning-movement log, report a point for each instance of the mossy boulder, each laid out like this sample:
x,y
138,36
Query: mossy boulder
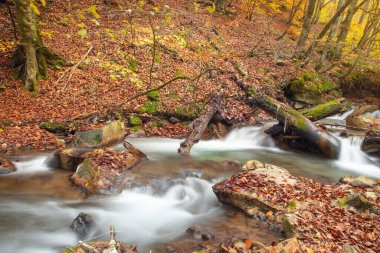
x,y
108,134
309,88
53,127
5,122
134,121
154,95
149,107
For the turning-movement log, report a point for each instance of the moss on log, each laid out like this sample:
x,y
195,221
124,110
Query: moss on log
x,y
294,120
327,109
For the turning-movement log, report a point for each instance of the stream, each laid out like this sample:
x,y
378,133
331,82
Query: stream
x,y
162,198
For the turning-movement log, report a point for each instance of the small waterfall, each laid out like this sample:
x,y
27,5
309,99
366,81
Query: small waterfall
x,y
353,159
374,114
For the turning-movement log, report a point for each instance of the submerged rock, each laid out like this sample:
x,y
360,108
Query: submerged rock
x,y
111,133
200,233
6,166
82,225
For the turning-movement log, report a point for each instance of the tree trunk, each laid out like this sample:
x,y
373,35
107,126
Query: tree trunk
x,y
220,5
328,45
200,124
327,27
344,28
31,58
306,27
294,120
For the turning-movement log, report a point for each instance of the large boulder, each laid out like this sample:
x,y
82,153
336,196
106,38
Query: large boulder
x,y
310,88
108,134
304,209
6,166
235,191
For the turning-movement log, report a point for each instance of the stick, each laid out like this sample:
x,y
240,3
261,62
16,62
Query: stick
x,y
75,67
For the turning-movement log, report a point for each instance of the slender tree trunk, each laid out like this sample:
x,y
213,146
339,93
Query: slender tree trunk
x,y
32,58
325,29
318,10
333,32
344,28
365,9
305,27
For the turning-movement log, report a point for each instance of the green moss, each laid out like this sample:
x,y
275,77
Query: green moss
x,y
118,116
323,110
154,95
149,107
2,87
52,127
310,76
292,206
296,85
5,122
251,91
135,128
134,121
287,227
342,202
159,123
328,86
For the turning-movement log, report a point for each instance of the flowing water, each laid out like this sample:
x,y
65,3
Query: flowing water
x,y
163,196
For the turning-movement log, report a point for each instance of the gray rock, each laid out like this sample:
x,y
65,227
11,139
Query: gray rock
x,y
82,225
111,133
199,233
359,202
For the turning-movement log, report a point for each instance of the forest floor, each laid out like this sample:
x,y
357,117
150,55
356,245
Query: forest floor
x,y
189,38
118,67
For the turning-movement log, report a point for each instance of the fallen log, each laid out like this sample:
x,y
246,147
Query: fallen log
x,y
327,109
293,120
315,113
199,125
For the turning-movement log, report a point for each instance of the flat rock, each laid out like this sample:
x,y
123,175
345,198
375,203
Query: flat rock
x,y
361,181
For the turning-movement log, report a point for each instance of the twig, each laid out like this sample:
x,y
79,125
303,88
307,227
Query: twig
x,y
88,247
62,76
75,67
70,249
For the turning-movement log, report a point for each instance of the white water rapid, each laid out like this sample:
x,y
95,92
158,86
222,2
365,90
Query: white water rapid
x,y
140,217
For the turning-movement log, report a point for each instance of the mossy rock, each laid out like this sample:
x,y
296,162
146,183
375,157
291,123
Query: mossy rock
x,y
309,88
2,88
154,95
159,123
111,133
53,127
149,107
5,122
134,121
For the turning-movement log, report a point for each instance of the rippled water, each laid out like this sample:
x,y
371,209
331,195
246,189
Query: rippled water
x,y
164,196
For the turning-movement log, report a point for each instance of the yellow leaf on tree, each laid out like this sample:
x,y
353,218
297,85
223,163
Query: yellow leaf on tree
x,y
34,8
